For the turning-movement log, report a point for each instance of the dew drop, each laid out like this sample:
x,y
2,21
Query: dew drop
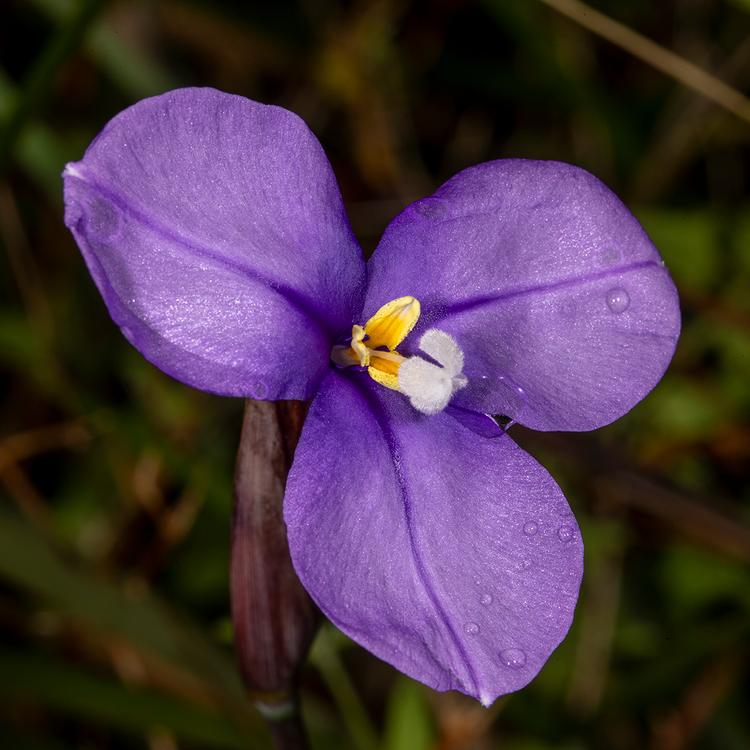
x,y
565,533
486,599
513,658
471,628
524,564
530,528
618,300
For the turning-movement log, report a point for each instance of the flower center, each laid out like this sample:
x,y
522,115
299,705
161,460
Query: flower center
x,y
429,386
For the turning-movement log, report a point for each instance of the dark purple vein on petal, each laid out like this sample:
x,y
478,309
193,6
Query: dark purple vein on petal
x,y
293,297
396,453
552,286
122,315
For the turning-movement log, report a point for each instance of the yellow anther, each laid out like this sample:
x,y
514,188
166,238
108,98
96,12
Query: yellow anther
x,y
429,384
390,325
384,368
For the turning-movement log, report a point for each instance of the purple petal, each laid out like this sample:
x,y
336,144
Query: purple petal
x,y
560,301
452,556
215,231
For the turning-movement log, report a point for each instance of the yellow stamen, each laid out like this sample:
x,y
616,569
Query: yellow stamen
x,y
384,368
362,351
389,380
390,325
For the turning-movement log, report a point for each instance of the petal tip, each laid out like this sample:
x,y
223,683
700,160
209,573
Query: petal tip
x,y
72,170
486,700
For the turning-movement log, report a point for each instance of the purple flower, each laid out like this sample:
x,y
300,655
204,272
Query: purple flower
x,y
216,233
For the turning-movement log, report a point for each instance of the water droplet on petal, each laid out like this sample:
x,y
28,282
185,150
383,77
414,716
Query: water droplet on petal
x,y
530,528
513,658
524,564
486,599
565,533
513,398
618,300
471,628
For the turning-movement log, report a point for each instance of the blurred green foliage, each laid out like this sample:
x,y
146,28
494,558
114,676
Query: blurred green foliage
x,y
116,481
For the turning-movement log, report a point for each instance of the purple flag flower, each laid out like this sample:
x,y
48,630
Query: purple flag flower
x,y
216,233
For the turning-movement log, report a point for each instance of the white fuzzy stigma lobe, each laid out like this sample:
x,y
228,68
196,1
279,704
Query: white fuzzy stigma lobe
x,y
442,347
430,387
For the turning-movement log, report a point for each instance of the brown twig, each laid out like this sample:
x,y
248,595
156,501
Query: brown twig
x,y
689,123
678,729
653,54
23,445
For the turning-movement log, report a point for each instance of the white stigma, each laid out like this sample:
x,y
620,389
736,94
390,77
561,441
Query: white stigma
x,y
430,387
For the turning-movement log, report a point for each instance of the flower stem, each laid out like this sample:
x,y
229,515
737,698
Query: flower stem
x,y
274,619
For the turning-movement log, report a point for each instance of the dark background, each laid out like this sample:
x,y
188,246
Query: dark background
x,y
116,481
